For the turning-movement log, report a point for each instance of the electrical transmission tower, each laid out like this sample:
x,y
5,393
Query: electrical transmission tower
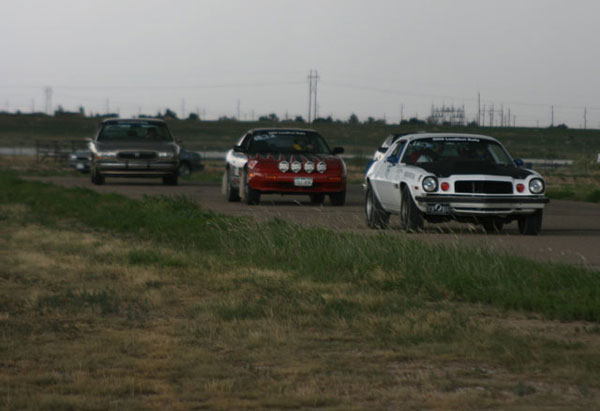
x,y
312,95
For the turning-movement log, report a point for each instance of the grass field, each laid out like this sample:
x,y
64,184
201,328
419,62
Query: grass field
x,y
108,302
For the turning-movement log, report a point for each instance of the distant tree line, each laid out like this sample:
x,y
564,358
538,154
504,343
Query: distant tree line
x,y
169,114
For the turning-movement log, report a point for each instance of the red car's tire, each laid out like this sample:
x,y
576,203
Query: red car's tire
x,y
338,199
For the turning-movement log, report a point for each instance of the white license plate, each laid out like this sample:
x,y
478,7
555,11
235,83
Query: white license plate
x,y
303,182
79,166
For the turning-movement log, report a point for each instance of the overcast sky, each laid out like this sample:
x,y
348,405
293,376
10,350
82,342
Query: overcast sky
x,y
374,58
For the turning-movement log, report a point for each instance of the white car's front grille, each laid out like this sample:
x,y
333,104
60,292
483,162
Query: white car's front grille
x,y
483,187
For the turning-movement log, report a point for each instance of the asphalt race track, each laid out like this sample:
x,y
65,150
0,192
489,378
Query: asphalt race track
x,y
570,231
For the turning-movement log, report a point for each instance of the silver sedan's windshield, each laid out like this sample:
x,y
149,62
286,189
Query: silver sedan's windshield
x,y
135,131
455,149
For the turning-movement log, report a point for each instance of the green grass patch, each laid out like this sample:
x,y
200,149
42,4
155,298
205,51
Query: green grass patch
x,y
575,192
431,271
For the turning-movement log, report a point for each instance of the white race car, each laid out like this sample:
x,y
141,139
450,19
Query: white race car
x,y
462,177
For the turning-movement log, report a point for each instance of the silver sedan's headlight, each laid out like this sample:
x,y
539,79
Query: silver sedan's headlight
x,y
536,186
430,184
106,155
165,154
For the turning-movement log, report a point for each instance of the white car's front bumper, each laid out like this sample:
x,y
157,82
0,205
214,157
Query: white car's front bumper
x,y
480,204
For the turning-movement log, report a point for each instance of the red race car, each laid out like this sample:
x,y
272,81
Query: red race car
x,y
284,161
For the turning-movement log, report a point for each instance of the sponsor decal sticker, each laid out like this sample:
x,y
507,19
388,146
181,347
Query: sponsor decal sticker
x,y
457,139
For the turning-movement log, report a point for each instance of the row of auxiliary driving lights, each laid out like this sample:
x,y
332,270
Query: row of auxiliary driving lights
x,y
296,166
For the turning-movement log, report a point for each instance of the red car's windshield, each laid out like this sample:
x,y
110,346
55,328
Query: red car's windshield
x,y
288,142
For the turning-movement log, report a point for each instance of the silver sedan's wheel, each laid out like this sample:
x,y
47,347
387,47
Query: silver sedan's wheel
x,y
184,169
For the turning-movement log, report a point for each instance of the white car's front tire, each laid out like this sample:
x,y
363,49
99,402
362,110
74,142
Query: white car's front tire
x,y
375,215
410,215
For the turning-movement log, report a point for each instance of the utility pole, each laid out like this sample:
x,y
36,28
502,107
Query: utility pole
x,y
501,115
509,118
48,92
310,84
312,95
478,108
483,117
492,115
316,106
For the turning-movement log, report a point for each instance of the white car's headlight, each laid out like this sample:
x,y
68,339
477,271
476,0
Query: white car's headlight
x,y
536,186
309,166
321,167
430,184
104,155
296,166
284,166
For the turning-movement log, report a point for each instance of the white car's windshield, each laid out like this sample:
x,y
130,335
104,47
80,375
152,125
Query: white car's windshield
x,y
455,149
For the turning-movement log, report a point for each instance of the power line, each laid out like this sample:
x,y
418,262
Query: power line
x,y
169,87
428,95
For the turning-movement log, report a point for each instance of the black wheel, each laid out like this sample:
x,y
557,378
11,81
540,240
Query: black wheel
x,y
492,225
317,198
170,180
231,193
184,169
375,215
531,224
338,199
251,195
410,215
97,178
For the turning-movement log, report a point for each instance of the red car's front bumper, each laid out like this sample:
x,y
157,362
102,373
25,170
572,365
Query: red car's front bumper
x,y
288,183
